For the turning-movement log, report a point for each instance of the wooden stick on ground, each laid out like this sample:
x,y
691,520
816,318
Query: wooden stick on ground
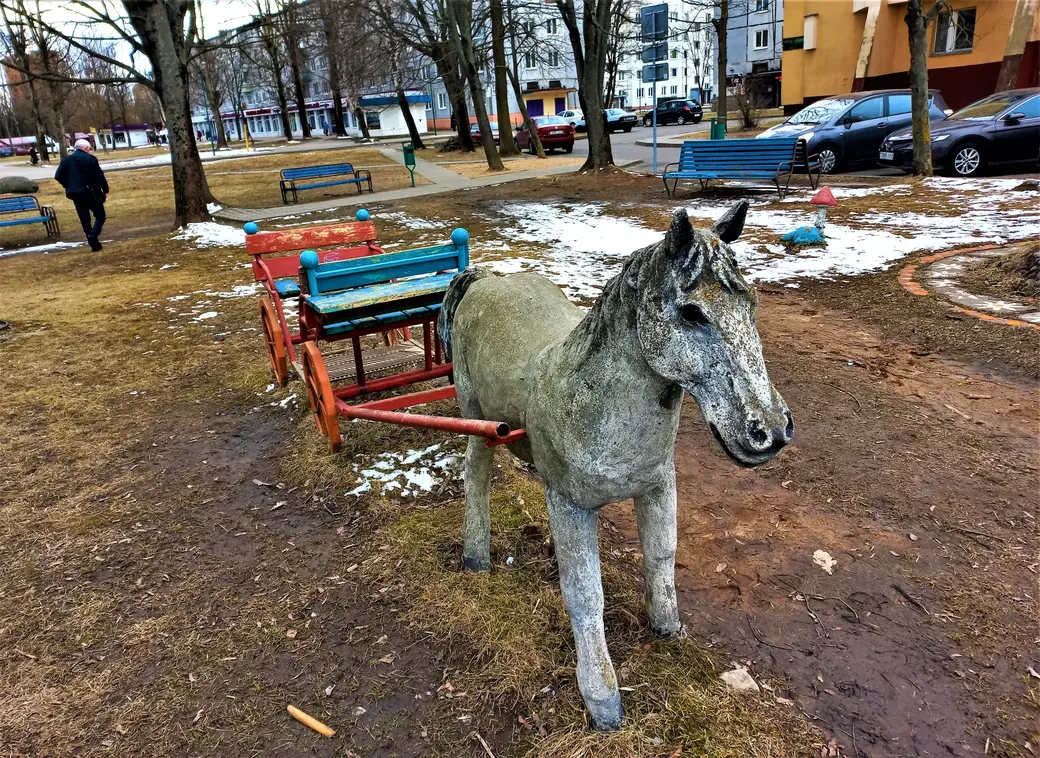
x,y
310,721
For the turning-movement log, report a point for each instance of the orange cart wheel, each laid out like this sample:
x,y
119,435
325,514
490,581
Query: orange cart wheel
x,y
319,393
275,341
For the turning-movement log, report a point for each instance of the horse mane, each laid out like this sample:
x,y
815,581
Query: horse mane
x,y
695,259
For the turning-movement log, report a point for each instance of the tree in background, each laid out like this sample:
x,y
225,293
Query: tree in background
x,y
507,147
291,23
460,32
917,20
18,40
330,34
270,56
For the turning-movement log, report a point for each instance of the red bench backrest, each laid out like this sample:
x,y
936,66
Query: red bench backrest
x,y
343,238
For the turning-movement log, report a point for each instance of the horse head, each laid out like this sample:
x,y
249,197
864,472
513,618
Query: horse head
x,y
695,319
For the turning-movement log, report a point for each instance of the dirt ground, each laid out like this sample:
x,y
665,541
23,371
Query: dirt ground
x,y
182,561
1015,275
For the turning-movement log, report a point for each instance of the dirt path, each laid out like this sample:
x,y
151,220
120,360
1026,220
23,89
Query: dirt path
x,y
910,472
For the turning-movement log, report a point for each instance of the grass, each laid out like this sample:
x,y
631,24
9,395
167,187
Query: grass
x,y
475,170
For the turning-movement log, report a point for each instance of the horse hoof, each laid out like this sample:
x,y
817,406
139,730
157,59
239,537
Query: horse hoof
x,y
606,716
669,631
476,564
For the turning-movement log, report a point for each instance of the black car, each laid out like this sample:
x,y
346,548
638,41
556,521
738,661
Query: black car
x,y
847,130
676,112
1001,129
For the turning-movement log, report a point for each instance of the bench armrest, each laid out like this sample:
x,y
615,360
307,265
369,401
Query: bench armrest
x,y
667,166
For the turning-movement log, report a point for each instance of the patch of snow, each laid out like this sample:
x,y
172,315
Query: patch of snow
x,y
211,234
411,221
206,315
166,266
407,474
163,159
823,559
214,207
41,248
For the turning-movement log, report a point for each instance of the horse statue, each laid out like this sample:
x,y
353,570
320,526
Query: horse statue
x,y
599,394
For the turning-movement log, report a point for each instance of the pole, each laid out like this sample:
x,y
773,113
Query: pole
x,y
654,112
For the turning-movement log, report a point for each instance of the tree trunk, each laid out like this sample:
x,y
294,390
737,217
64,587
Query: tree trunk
x,y
160,29
283,108
506,145
328,27
413,130
721,27
362,121
461,33
218,122
301,94
590,45
448,69
917,25
528,123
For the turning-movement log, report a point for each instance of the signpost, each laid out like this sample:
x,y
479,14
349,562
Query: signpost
x,y
654,21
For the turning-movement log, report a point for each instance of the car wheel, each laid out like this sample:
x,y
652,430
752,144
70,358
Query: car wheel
x,y
628,129
569,148
967,160
829,159
647,121
681,120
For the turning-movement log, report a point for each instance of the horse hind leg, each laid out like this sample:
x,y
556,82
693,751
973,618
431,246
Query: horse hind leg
x,y
655,517
476,545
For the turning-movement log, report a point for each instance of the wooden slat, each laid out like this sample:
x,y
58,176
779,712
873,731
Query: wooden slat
x,y
312,172
377,361
312,237
388,292
378,269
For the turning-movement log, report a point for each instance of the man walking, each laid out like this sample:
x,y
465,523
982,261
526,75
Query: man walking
x,y
85,185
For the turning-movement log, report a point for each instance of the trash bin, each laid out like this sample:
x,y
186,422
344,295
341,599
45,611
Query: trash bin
x,y
409,154
718,131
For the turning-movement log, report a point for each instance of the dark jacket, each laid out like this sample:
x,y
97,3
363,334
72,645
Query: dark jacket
x,y
81,174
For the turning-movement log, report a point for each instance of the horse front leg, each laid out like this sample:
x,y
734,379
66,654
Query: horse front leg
x,y
577,555
476,530
655,516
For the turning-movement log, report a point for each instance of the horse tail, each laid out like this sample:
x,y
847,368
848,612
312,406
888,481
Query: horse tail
x,y
456,291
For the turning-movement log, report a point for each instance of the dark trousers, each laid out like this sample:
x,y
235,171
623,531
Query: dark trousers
x,y
87,203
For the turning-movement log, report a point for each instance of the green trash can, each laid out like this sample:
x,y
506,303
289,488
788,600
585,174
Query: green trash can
x,y
409,159
718,131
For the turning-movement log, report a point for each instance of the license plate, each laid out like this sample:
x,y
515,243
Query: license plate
x,y
556,131
887,156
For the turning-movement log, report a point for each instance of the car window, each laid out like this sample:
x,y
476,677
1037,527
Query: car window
x,y
820,111
548,121
1031,108
869,109
985,109
898,104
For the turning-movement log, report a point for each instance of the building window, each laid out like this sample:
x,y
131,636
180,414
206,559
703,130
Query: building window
x,y
696,44
529,60
528,27
639,93
761,5
442,100
761,39
808,33
553,59
674,89
675,53
954,31
675,72
550,26
622,75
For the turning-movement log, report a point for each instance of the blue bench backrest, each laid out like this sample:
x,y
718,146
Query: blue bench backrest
x,y
333,276
14,204
740,155
315,172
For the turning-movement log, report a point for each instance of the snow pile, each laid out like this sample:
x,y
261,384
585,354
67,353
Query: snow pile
x,y
410,221
211,234
49,247
579,247
163,159
407,474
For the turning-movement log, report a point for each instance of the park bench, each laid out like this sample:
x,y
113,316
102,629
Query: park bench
x,y
773,158
26,203
334,173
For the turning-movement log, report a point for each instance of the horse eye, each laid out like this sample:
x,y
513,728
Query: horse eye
x,y
693,315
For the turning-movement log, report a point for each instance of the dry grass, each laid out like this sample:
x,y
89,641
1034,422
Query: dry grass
x,y
478,170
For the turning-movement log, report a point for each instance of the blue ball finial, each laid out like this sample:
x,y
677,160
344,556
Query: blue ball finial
x,y
309,259
460,237
363,215
251,227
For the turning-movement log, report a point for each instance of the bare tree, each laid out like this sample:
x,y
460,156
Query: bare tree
x,y
460,31
917,20
272,58
290,24
18,40
330,33
498,48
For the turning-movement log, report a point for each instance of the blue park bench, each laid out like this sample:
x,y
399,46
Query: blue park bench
x,y
773,159
335,173
374,293
25,203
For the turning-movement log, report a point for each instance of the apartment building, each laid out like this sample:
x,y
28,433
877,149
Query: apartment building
x,y
754,47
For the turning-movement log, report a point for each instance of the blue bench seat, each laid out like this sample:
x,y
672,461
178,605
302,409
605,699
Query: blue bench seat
x,y
333,173
29,204
287,287
380,294
771,159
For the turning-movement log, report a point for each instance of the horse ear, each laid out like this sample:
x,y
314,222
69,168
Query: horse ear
x,y
681,232
729,227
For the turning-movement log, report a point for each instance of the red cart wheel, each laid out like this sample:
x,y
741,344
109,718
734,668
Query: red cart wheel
x,y
319,393
275,341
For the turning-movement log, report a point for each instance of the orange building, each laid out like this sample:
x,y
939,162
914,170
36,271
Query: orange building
x,y
834,47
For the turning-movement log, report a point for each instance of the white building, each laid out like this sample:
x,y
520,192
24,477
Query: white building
x,y
691,61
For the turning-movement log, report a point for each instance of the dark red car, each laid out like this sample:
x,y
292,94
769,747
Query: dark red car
x,y
553,131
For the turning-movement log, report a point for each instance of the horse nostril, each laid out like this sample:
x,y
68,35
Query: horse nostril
x,y
757,434
789,431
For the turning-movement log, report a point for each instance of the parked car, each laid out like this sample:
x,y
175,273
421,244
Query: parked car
x,y
574,117
474,131
1001,129
847,130
553,131
676,112
620,119
6,152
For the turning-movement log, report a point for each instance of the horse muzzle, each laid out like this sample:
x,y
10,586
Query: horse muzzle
x,y
757,442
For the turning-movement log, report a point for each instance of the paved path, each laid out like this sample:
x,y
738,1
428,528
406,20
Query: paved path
x,y
442,180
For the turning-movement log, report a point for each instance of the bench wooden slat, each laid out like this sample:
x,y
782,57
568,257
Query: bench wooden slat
x,y
314,172
311,238
18,203
770,158
374,269
380,294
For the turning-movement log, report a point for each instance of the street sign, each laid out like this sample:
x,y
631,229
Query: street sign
x,y
655,22
658,51
655,72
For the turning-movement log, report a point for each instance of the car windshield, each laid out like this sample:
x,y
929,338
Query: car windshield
x,y
549,121
820,111
476,127
986,109
616,112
